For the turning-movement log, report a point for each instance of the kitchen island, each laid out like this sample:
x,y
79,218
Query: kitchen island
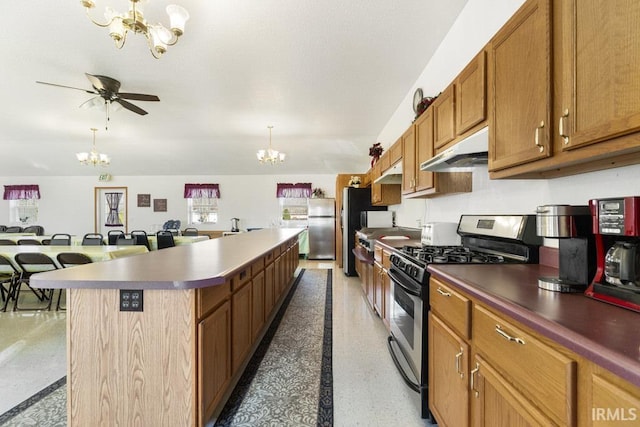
x,y
545,357
202,310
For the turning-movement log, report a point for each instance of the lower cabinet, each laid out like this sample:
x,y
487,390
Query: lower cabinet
x,y
257,304
241,325
214,361
269,289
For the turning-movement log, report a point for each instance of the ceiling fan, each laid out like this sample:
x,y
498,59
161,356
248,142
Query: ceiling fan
x,y
108,88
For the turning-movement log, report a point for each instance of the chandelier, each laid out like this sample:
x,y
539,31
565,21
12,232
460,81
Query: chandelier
x,y
158,37
270,155
93,157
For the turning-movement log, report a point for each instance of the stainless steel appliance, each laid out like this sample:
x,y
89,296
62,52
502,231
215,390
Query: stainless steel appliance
x,y
616,226
576,246
485,239
393,236
234,225
376,219
354,201
322,228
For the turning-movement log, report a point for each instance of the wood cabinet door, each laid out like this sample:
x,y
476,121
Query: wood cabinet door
x,y
521,88
602,99
471,91
269,290
444,117
214,359
377,300
424,180
408,161
495,403
386,305
241,336
448,375
376,189
257,303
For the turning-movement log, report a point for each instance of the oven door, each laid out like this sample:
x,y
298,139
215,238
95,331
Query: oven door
x,y
406,323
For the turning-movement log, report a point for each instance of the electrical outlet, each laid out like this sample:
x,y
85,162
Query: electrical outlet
x,y
131,300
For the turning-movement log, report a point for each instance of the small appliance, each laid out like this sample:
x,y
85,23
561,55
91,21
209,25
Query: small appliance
x,y
440,234
616,226
576,246
234,225
376,219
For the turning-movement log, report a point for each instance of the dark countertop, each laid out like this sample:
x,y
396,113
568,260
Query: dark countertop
x,y
197,265
604,334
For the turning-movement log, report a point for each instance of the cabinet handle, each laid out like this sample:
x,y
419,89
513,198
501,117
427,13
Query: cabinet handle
x,y
443,293
473,379
565,137
458,356
508,337
537,137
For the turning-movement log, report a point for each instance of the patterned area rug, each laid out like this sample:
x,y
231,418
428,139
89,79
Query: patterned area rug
x,y
289,380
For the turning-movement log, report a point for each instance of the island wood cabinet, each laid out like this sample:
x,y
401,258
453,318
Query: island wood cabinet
x,y
514,375
586,52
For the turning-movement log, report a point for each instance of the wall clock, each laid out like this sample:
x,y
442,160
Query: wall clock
x,y
417,98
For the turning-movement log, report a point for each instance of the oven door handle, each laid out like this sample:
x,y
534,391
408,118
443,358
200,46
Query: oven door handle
x,y
413,386
398,281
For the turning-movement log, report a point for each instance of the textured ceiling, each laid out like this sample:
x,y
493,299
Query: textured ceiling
x,y
326,74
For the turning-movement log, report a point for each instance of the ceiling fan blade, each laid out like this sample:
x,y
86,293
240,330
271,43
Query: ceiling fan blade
x,y
103,83
138,96
67,87
129,106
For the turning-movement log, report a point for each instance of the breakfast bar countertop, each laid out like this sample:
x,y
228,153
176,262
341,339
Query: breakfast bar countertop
x,y
607,335
198,265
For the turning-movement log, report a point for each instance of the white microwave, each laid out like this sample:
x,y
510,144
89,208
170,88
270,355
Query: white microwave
x,y
376,219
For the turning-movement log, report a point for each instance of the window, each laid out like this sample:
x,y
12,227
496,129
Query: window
x,y
293,200
23,203
202,203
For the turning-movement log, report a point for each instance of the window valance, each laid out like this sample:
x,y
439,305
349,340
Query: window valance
x,y
17,192
299,190
196,191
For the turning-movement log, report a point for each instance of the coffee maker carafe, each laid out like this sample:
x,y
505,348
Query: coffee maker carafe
x,y
576,246
616,226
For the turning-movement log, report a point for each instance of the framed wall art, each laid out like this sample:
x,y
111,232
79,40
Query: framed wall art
x,y
159,205
144,200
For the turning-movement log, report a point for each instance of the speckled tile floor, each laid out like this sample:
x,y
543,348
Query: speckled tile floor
x,y
368,391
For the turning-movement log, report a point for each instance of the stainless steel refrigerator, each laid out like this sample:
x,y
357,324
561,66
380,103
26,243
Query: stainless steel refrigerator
x,y
322,228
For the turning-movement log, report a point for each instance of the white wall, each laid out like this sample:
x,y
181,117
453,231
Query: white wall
x,y
477,23
67,203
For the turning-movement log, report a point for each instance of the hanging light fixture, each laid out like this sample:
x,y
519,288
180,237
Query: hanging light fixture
x,y
270,155
158,37
93,157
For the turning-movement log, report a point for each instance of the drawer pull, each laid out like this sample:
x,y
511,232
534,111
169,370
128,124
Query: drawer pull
x,y
473,381
458,356
443,293
508,337
561,131
537,137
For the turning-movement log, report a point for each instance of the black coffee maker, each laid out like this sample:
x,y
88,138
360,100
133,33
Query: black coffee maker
x,y
616,226
576,246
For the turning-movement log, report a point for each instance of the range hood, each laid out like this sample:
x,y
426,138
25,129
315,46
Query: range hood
x,y
393,175
464,155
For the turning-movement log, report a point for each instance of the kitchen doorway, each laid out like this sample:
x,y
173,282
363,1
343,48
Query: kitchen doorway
x,y
111,209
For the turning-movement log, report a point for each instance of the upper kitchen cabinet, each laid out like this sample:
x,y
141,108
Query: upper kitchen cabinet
x,y
418,147
383,194
520,61
595,102
444,117
471,96
601,93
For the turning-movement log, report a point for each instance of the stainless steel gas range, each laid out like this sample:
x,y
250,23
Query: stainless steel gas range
x,y
485,239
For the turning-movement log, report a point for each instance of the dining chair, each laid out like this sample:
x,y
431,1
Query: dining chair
x,y
165,239
125,241
29,242
3,228
46,242
8,278
13,229
60,239
141,238
173,231
190,231
37,229
114,235
7,242
66,260
31,263
93,239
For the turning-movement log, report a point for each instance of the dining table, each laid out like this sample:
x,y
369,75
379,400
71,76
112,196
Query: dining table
x,y
95,253
77,240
